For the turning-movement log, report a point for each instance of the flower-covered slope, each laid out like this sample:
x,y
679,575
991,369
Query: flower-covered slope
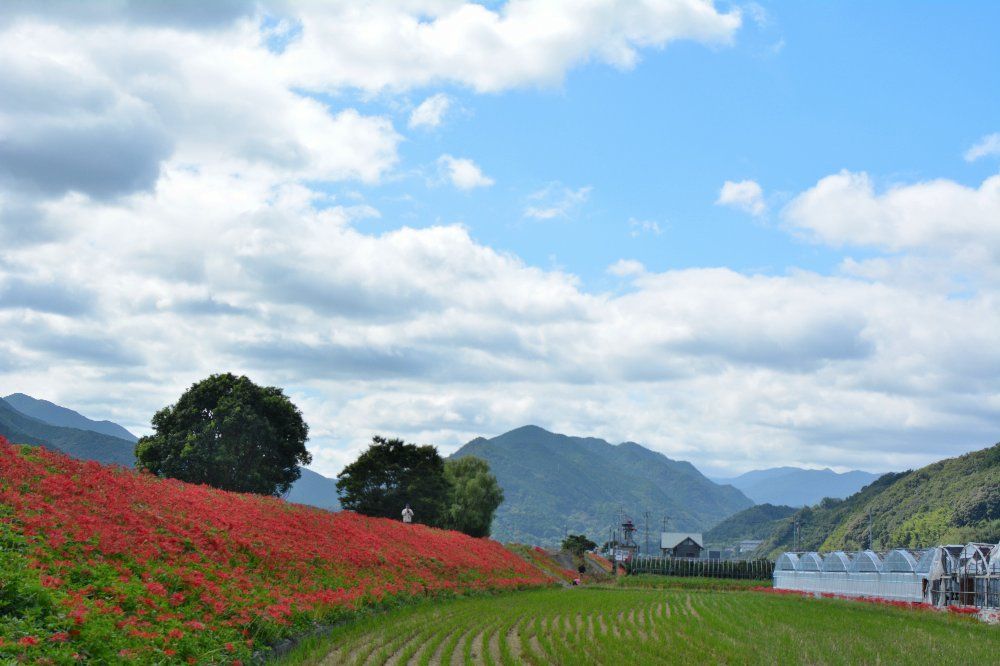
x,y
104,564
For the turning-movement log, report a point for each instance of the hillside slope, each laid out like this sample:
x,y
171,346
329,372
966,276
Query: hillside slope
x,y
758,522
56,415
956,500
794,486
553,483
43,426
116,566
81,444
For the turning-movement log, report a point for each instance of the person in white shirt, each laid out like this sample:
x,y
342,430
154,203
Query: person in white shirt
x,y
407,514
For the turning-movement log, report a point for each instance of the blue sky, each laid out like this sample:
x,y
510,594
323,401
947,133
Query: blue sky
x,y
744,235
888,88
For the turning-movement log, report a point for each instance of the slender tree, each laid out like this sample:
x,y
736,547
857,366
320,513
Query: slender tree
x,y
227,432
475,496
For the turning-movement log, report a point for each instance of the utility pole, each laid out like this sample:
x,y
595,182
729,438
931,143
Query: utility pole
x,y
645,515
870,539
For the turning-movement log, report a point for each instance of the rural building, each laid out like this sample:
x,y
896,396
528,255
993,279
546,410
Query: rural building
x,y
944,575
681,544
748,546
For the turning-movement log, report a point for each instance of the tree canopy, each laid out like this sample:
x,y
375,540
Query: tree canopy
x,y
230,433
475,496
578,544
391,474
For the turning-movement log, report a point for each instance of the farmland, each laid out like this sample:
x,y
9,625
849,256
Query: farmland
x,y
666,625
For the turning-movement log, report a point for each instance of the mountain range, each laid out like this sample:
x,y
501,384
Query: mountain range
x,y
956,500
793,486
554,484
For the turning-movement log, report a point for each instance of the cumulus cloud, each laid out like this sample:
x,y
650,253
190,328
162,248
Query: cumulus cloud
x,y
462,172
390,45
430,112
937,215
745,195
988,146
165,213
555,200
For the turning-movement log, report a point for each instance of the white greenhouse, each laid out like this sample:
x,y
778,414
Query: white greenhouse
x,y
943,575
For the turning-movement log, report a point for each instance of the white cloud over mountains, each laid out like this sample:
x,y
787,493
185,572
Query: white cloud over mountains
x,y
160,219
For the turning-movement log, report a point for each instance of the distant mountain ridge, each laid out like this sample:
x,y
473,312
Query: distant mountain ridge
x,y
87,439
794,486
956,500
53,414
20,428
556,483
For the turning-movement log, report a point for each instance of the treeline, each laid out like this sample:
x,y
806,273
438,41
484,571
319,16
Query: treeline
x,y
229,433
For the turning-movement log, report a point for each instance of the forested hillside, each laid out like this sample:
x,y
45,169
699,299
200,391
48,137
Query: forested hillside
x,y
757,522
553,483
956,500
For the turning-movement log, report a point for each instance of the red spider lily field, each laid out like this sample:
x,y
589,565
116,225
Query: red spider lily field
x,y
102,564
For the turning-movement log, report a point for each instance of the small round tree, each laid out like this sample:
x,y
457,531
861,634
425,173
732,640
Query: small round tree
x,y
227,432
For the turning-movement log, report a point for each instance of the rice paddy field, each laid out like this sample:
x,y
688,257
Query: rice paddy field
x,y
654,625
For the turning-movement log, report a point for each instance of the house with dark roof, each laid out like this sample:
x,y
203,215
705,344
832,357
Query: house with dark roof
x,y
681,544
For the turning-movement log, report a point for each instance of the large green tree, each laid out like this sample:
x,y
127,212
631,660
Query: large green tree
x,y
391,474
227,432
475,496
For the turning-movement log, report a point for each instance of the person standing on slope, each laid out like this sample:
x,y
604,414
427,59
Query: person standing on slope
x,y
407,514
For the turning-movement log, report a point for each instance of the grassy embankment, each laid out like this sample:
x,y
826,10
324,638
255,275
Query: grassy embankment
x,y
663,625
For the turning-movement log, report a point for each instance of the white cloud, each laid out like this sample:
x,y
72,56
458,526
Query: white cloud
x,y
640,227
988,146
556,200
187,235
392,45
430,112
626,268
936,216
745,195
463,173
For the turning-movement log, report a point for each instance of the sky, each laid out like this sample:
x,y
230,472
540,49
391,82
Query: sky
x,y
741,234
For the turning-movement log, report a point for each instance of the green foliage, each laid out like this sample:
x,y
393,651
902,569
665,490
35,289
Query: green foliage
x,y
391,474
757,522
553,484
951,501
474,496
227,432
578,544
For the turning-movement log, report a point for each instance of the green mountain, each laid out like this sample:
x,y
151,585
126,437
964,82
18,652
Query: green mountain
x,y
553,484
53,414
794,486
757,522
84,444
956,500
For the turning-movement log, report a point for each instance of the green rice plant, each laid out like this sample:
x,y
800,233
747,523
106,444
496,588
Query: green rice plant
x,y
648,625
